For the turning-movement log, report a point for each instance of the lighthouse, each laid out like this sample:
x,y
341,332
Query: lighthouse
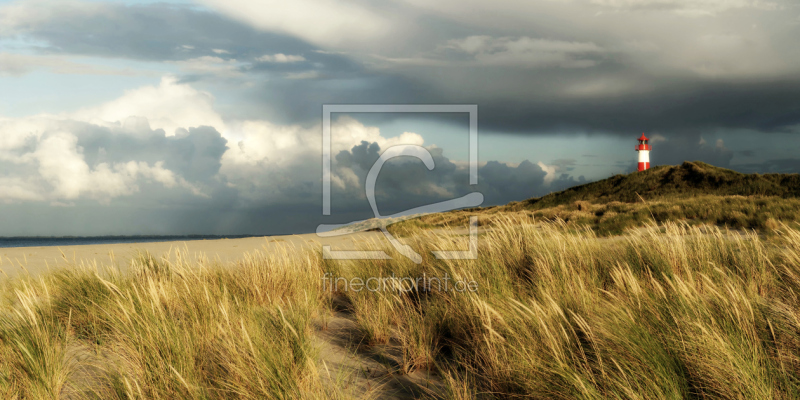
x,y
644,153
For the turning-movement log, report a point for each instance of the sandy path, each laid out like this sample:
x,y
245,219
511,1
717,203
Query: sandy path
x,y
367,372
16,260
359,371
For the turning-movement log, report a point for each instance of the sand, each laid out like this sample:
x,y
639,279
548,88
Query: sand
x,y
35,260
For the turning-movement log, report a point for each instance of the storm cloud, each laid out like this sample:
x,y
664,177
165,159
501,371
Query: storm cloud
x,y
675,66
76,165
219,127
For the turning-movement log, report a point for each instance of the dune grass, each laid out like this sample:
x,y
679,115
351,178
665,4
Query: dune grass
x,y
614,217
693,192
666,312
670,312
690,179
164,330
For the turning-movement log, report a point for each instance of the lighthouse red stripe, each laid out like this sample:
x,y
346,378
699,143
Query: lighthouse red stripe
x,y
644,166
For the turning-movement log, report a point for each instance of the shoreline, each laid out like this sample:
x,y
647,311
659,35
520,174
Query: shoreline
x,y
15,261
55,241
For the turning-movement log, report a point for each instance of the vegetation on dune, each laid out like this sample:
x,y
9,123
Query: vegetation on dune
x,y
165,330
613,218
689,179
676,312
694,192
672,312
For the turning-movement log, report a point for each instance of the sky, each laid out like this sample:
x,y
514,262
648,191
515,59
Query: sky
x,y
205,117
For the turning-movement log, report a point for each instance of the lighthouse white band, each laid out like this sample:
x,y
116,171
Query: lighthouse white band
x,y
644,156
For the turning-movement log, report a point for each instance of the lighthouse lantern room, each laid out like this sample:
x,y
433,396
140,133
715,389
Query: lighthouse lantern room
x,y
644,153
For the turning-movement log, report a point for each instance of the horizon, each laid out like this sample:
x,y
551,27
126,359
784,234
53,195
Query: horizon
x,y
101,238
161,118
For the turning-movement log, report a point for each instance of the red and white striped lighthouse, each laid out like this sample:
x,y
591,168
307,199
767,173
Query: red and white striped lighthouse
x,y
644,153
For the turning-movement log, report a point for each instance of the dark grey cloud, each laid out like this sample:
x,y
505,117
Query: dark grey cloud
x,y
527,80
685,105
534,102
194,153
678,73
204,45
691,146
153,32
686,146
405,183
777,166
302,100
746,153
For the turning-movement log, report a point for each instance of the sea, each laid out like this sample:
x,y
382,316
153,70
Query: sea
x,y
39,241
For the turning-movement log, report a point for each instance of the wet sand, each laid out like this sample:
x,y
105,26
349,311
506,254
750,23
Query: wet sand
x,y
35,260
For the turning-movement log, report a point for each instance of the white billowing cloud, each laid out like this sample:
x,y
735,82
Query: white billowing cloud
x,y
44,160
345,177
63,160
62,165
283,145
550,171
259,168
15,132
325,22
18,189
262,158
270,162
168,106
264,142
526,51
347,131
280,58
220,51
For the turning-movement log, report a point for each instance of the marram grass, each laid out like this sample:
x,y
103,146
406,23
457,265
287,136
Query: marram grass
x,y
663,312
163,331
670,312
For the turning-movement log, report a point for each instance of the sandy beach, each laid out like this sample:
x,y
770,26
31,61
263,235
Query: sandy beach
x,y
35,260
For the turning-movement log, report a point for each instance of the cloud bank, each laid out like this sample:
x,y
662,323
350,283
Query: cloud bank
x,y
228,141
165,147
